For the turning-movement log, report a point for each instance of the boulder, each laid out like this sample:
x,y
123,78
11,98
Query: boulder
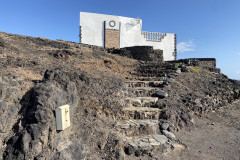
x,y
178,71
129,150
142,144
160,138
138,153
162,94
164,126
170,80
168,134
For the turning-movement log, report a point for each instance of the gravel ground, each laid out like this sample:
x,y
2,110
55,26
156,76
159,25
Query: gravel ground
x,y
214,136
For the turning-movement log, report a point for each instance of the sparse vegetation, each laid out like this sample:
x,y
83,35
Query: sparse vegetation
x,y
178,64
196,69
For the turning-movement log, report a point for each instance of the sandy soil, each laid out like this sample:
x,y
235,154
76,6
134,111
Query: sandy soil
x,y
214,136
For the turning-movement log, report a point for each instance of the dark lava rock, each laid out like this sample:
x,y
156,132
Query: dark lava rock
x,y
161,94
138,153
144,53
178,118
129,150
39,128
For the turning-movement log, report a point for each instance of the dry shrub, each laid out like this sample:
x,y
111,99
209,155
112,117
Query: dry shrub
x,y
27,74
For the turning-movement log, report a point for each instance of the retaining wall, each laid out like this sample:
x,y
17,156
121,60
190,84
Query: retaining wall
x,y
206,63
144,53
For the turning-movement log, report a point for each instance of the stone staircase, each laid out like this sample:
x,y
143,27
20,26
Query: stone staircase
x,y
139,125
154,69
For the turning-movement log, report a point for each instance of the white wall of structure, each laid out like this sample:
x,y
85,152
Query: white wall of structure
x,y
92,32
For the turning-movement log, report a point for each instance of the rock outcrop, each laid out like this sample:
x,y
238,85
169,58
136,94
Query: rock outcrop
x,y
120,107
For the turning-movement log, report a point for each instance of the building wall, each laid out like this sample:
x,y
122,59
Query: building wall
x,y
92,32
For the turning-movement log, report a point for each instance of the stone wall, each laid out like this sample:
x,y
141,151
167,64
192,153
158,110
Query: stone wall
x,y
112,38
204,62
207,63
144,53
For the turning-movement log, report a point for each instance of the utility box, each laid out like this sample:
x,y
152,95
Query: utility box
x,y
63,117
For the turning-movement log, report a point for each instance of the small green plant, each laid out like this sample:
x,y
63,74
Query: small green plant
x,y
205,70
177,64
196,69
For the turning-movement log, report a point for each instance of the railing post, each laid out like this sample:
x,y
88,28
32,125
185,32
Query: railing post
x,y
153,36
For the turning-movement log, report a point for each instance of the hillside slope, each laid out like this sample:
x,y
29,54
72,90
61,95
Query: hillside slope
x,y
117,110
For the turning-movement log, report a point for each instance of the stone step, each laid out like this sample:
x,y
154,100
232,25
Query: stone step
x,y
149,78
142,144
140,113
153,73
141,101
142,91
138,127
134,84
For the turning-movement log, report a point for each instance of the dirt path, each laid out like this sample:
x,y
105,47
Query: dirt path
x,y
215,136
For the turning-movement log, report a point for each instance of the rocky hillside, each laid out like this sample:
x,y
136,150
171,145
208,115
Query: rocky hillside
x,y
120,107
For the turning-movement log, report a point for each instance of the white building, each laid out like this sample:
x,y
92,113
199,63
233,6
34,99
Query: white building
x,y
115,31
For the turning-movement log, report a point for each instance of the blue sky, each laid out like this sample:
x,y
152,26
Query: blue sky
x,y
204,28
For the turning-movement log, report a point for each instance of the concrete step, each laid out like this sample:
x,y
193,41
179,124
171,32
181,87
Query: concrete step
x,y
141,101
138,127
140,113
134,84
142,91
142,144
